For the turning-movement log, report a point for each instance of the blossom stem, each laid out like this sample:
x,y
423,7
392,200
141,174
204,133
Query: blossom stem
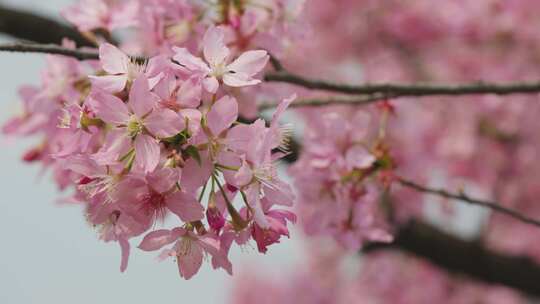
x,y
237,220
202,192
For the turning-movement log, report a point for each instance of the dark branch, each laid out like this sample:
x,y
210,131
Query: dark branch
x,y
49,49
34,27
466,257
402,90
473,201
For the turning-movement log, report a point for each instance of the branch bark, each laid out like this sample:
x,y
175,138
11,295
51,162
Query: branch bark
x,y
403,90
37,28
465,257
49,49
497,207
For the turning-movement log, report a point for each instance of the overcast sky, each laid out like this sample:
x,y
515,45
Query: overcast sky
x,y
48,252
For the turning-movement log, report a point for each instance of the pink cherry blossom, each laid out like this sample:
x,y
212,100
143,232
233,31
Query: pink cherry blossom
x,y
189,249
238,73
90,15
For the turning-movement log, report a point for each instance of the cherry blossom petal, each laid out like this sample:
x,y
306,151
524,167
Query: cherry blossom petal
x,y
147,153
222,115
109,108
214,48
157,239
283,105
244,176
254,200
116,145
200,173
239,80
162,180
164,123
113,60
249,63
190,262
109,83
189,94
187,60
141,100
185,206
280,193
125,249
211,84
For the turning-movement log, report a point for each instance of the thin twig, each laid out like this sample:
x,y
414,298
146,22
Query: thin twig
x,y
327,101
465,198
48,49
276,64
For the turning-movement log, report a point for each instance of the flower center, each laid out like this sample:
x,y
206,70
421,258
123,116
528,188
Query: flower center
x,y
134,126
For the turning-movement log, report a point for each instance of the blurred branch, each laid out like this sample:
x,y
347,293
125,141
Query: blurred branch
x,y
465,257
473,201
402,90
327,101
37,28
48,49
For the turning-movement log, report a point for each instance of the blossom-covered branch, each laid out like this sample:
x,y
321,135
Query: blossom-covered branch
x,y
374,92
467,199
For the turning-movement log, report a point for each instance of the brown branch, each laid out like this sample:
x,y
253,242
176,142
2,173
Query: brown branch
x,y
402,90
465,257
37,28
473,201
49,49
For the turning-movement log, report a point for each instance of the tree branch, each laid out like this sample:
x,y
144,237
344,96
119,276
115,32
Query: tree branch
x,y
473,201
34,27
402,90
465,257
49,49
327,101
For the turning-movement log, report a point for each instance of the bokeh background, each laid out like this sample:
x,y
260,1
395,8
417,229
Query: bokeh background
x,y
49,254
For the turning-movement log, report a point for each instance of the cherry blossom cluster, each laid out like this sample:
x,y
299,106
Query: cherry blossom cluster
x,y
162,24
340,177
145,139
